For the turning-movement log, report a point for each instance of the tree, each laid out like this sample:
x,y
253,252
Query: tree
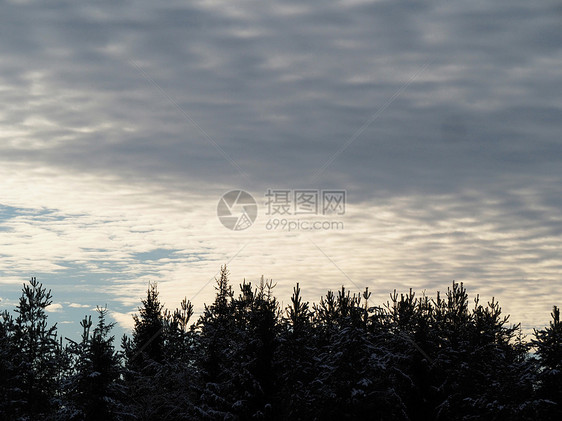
x,y
412,359
548,351
217,339
38,355
294,358
148,341
178,337
93,390
144,355
10,394
175,380
479,369
256,316
357,372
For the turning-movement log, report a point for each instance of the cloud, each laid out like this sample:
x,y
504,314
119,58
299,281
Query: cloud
x,y
125,320
122,126
294,81
54,308
76,305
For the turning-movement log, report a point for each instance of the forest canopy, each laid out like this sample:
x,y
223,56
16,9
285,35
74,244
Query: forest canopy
x,y
413,357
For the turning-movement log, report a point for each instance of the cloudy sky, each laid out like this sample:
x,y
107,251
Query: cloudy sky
x,y
123,123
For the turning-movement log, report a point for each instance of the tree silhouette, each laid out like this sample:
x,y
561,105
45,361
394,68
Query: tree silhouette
x,y
38,355
548,345
93,391
413,358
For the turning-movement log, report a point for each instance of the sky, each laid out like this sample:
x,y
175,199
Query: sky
x,y
122,124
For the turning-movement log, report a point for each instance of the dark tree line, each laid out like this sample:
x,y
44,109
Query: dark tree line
x,y
246,358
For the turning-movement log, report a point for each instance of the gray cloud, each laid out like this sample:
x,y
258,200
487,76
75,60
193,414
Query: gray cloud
x,y
92,89
287,85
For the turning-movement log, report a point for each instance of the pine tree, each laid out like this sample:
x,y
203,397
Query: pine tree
x,y
9,392
148,340
295,359
408,320
219,338
39,354
479,368
177,375
144,354
256,317
178,337
548,348
93,389
356,370
216,327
